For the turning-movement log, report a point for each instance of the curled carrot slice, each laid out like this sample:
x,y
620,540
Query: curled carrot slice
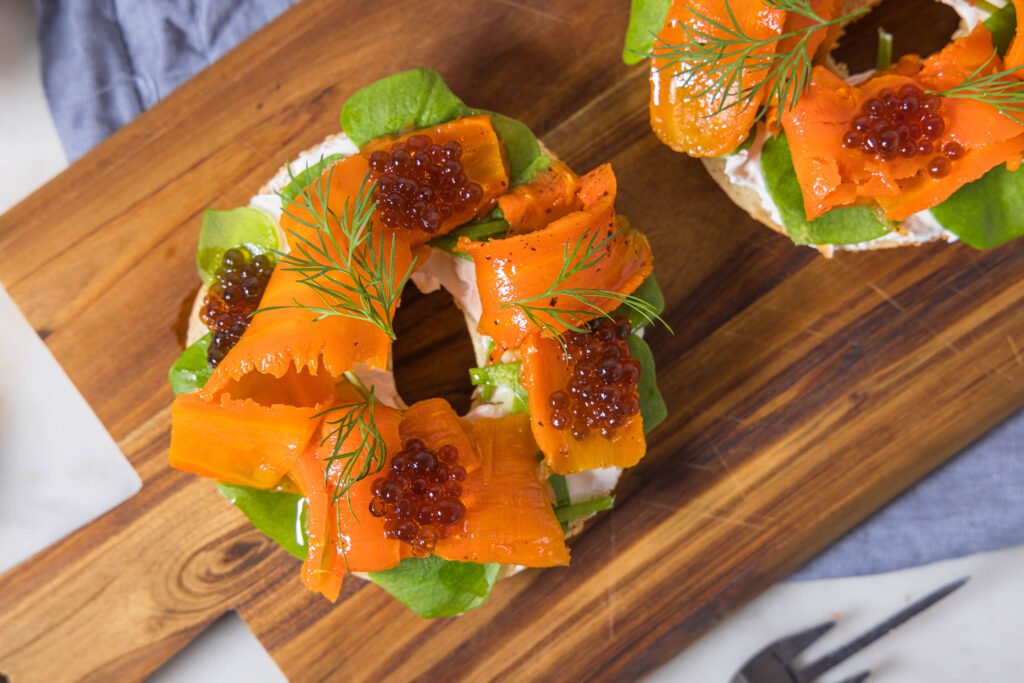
x,y
544,372
483,161
548,196
520,271
509,518
239,441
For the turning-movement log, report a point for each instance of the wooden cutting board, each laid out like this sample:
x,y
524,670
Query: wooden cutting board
x,y
804,392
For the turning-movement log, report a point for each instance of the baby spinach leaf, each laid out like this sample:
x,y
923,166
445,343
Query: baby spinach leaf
x,y
432,587
646,17
482,230
988,211
192,369
410,99
1002,24
650,292
845,225
222,230
279,515
304,176
524,157
652,405
567,513
502,375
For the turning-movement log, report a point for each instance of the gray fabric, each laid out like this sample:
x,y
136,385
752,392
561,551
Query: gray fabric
x,y
973,503
105,61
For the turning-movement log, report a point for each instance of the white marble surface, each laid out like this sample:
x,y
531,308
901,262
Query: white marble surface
x,y
52,481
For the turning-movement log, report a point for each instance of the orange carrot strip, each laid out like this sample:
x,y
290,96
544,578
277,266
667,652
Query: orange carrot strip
x,y
318,572
550,195
681,116
291,337
523,266
597,185
508,518
483,161
238,441
362,543
544,372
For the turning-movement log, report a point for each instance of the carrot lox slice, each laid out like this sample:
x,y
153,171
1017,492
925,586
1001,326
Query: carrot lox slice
x,y
483,161
509,518
523,268
544,372
548,196
284,335
687,114
238,441
320,572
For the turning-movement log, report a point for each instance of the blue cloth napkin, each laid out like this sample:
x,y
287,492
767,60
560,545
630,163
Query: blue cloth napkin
x,y
105,61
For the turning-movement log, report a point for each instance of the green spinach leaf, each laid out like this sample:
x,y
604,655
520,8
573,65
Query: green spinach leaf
x,y
279,515
652,405
524,157
222,230
410,99
988,211
481,230
650,292
646,17
566,513
432,587
846,225
1002,24
504,375
192,369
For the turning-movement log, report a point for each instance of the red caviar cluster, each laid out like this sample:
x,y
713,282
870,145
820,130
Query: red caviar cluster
x,y
420,496
234,295
905,124
601,392
421,184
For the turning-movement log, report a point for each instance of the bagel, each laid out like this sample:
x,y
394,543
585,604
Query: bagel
x,y
256,415
882,186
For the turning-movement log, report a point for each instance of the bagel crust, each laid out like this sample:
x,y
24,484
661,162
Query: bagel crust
x,y
590,484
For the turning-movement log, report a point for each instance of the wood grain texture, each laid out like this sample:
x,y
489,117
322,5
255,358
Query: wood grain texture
x,y
803,393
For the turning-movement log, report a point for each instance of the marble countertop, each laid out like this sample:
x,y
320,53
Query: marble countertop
x,y
53,481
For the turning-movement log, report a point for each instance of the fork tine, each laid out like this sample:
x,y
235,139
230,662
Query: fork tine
x,y
815,669
789,647
857,678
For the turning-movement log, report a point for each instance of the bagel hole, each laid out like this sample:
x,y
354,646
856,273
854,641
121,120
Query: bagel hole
x,y
433,352
858,46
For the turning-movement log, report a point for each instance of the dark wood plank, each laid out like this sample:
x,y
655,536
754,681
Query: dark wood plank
x,y
804,393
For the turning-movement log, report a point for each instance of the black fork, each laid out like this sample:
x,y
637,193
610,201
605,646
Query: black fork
x,y
773,664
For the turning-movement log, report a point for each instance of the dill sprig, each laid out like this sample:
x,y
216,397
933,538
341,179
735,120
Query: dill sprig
x,y
724,54
352,276
1001,89
541,310
368,456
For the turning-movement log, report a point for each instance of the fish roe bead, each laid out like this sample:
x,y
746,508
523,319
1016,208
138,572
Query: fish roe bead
x,y
939,167
952,150
602,377
234,295
419,498
421,184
